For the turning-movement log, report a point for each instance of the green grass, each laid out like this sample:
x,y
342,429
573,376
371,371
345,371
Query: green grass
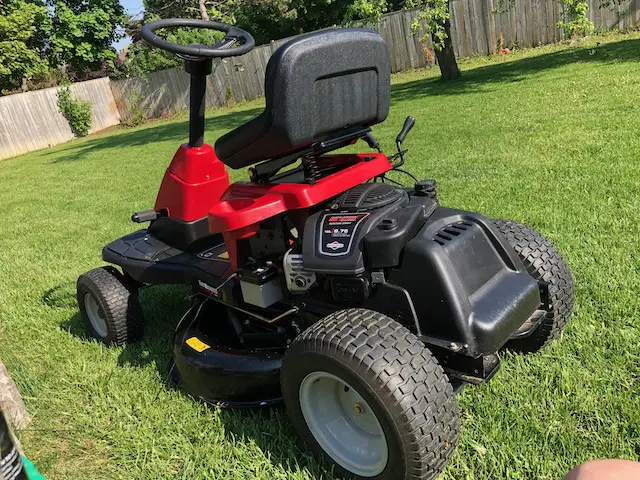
x,y
548,137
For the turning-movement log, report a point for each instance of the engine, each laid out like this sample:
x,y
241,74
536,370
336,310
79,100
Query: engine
x,y
342,248
365,228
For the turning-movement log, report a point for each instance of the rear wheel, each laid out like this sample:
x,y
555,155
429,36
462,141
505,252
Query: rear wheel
x,y
109,306
544,263
363,390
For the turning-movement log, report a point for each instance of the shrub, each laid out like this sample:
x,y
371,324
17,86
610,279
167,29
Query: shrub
x,y
229,97
578,13
53,78
136,114
77,112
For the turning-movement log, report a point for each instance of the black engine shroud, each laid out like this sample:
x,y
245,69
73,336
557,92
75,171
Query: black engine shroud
x,y
448,273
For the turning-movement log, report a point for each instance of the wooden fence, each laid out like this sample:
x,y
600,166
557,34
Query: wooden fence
x,y
476,28
167,91
30,121
478,24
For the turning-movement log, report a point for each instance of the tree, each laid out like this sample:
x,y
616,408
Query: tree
x,y
82,34
267,19
433,20
24,26
273,19
435,17
219,10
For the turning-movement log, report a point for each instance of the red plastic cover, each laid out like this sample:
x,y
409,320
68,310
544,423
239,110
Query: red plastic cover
x,y
245,204
194,181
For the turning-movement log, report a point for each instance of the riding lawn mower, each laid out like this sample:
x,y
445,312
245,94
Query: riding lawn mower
x,y
361,304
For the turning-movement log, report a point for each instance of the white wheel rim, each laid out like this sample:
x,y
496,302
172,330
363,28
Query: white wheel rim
x,y
96,316
343,424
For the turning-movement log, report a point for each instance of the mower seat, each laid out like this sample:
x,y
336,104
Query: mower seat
x,y
317,86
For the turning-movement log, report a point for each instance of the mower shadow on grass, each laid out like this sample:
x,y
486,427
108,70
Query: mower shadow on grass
x,y
268,428
162,307
271,431
150,134
480,79
62,296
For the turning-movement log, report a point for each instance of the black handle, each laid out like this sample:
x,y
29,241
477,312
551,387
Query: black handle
x,y
144,216
372,142
406,128
232,36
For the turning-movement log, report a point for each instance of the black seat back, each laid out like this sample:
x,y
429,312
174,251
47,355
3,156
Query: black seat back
x,y
317,86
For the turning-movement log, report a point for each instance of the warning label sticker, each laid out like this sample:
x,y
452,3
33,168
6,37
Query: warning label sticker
x,y
219,252
197,344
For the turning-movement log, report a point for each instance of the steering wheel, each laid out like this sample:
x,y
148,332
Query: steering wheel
x,y
232,36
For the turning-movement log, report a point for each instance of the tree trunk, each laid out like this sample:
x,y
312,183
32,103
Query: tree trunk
x,y
11,402
446,58
203,10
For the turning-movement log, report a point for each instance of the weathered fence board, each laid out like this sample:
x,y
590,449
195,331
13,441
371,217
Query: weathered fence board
x,y
30,121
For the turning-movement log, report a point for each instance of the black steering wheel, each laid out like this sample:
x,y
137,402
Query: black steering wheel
x,y
232,36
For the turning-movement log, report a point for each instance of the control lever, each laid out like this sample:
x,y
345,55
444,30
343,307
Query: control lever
x,y
409,122
144,216
406,128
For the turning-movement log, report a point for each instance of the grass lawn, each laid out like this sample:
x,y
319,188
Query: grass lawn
x,y
549,137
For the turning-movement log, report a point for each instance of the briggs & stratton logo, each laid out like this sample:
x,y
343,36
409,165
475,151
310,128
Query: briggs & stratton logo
x,y
335,245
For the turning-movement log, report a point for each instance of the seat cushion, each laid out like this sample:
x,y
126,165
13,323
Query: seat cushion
x,y
317,86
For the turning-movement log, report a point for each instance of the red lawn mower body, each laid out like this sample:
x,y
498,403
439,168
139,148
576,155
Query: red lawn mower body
x,y
196,184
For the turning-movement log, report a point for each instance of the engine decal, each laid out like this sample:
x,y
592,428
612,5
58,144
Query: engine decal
x,y
335,245
337,233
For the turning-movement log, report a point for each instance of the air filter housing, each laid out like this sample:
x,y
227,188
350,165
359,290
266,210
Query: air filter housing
x,y
367,196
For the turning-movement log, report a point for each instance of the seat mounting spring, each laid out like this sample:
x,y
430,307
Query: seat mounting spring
x,y
311,167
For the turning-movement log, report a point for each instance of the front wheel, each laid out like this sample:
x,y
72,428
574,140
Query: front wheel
x,y
109,306
363,390
544,263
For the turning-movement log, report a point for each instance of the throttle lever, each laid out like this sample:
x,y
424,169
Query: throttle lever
x,y
409,122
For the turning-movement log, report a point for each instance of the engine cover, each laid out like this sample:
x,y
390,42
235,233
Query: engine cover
x,y
466,283
333,239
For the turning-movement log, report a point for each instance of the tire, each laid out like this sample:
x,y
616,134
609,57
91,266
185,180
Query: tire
x,y
401,385
544,263
109,306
